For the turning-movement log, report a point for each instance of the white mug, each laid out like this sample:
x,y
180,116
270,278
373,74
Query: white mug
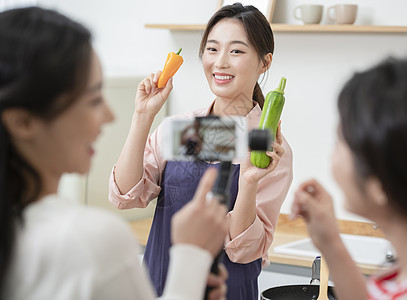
x,y
310,13
344,13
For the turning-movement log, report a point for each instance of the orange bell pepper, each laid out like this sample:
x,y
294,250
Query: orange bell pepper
x,y
172,64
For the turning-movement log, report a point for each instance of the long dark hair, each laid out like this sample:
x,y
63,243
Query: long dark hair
x,y
373,121
257,29
44,64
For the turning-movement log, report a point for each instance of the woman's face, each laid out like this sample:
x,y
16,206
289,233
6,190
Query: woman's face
x,y
230,63
343,170
65,144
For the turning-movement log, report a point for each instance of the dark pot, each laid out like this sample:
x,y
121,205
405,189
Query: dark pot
x,y
295,292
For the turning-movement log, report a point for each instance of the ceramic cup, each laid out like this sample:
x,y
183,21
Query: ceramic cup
x,y
308,13
343,13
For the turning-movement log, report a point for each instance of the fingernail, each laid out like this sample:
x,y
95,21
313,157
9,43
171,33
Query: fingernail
x,y
310,189
209,196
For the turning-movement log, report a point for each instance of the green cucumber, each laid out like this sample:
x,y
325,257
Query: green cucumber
x,y
270,117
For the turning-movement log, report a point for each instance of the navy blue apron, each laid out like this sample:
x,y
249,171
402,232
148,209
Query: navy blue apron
x,y
179,182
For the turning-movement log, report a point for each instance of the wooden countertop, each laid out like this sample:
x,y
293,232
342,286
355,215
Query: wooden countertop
x,y
286,231
141,229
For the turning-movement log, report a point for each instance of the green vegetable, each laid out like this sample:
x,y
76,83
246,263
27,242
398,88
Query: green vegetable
x,y
270,117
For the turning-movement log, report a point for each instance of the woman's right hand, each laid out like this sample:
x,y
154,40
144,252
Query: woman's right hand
x,y
315,204
149,98
202,222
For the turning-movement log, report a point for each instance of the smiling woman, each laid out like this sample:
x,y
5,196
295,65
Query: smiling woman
x,y
232,66
236,50
51,112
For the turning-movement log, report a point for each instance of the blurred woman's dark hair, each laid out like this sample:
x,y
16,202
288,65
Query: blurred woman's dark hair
x,y
257,29
373,121
44,65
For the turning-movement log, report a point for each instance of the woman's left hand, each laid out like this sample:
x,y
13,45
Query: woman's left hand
x,y
252,174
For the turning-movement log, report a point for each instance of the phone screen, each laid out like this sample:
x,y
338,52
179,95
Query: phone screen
x,y
206,138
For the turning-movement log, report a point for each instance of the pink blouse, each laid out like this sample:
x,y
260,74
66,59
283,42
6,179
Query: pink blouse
x,y
255,241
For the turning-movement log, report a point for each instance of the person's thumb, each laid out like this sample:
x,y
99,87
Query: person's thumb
x,y
205,185
167,89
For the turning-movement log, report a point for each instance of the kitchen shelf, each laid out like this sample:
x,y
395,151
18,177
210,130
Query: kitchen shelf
x,y
278,27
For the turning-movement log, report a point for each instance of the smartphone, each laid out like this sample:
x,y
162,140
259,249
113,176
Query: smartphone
x,y
206,138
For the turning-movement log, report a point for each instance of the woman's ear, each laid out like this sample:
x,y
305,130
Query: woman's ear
x,y
267,62
375,192
19,123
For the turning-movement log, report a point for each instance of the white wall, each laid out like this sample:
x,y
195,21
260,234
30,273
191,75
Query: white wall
x,y
315,64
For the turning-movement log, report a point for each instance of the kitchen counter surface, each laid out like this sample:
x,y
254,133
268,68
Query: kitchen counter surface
x,y
286,231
